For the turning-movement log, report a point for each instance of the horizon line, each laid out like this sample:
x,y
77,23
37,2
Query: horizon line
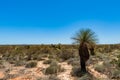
x,y
56,44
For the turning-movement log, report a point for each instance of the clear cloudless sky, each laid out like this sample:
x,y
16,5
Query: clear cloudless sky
x,y
56,21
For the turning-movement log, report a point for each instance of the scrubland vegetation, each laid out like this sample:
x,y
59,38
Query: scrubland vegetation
x,y
24,58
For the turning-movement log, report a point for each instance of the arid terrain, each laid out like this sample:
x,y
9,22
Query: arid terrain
x,y
57,62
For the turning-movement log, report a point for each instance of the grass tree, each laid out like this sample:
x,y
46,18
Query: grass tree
x,y
86,39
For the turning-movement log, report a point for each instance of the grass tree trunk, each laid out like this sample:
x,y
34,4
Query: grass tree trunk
x,y
83,65
84,56
92,51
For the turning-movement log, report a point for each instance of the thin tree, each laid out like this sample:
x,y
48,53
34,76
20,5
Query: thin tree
x,y
86,39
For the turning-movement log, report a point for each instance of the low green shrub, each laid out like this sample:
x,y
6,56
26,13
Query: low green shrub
x,y
1,64
51,77
47,61
107,64
74,61
118,63
37,57
86,77
116,74
76,71
19,63
99,67
54,68
66,54
31,64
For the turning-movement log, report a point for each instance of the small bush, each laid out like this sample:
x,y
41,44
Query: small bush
x,y
47,61
107,64
66,54
52,56
99,67
86,77
53,68
44,55
31,64
74,61
10,76
118,62
116,74
51,77
37,57
19,63
1,64
76,71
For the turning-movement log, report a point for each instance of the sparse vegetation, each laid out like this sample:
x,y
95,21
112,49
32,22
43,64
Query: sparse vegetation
x,y
24,57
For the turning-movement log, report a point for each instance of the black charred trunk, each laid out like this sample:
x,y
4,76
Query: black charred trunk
x,y
83,65
92,51
84,56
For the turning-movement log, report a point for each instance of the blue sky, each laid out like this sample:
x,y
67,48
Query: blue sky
x,y
56,21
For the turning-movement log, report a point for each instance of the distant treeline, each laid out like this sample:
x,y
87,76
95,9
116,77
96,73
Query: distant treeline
x,y
47,48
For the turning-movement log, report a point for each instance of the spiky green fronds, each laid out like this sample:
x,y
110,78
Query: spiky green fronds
x,y
85,36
